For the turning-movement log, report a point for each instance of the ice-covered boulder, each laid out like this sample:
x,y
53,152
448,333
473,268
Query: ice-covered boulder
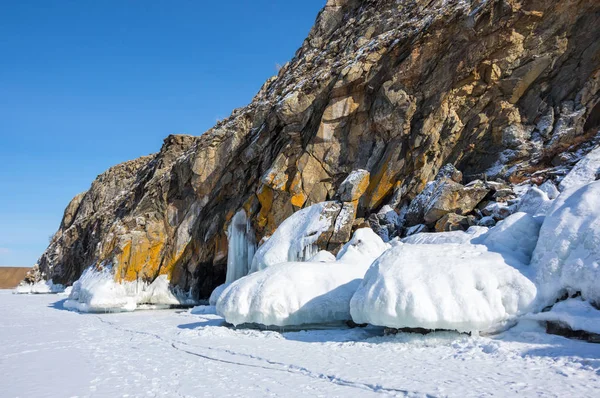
x,y
97,291
456,287
292,294
584,172
364,247
296,238
567,256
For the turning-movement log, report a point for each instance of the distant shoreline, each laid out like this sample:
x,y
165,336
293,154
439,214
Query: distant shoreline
x,y
10,277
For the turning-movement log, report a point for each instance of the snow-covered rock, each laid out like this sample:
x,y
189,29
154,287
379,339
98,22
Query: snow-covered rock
x,y
584,172
430,238
535,202
292,294
295,239
574,313
97,291
567,256
458,287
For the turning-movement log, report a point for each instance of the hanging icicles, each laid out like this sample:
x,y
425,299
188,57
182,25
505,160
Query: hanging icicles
x,y
241,247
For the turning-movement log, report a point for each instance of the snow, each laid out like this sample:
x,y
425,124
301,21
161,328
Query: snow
x,y
430,238
41,287
241,247
456,287
584,172
292,294
567,255
97,291
575,313
295,239
48,352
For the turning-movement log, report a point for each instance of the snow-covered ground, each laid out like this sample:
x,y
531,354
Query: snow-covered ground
x,y
47,351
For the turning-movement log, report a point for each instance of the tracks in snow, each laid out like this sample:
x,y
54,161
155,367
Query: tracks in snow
x,y
264,363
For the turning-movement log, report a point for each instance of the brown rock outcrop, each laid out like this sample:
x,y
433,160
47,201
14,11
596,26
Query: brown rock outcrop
x,y
396,88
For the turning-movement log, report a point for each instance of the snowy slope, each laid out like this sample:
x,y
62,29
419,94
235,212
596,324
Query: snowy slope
x,y
48,352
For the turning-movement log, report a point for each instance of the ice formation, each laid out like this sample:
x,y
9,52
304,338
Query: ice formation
x,y
302,293
214,296
292,294
460,287
584,172
41,287
567,256
97,291
295,239
241,247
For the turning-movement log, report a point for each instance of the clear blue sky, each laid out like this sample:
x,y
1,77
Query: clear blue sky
x,y
86,84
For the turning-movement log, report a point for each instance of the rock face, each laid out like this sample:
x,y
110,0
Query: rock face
x,y
395,88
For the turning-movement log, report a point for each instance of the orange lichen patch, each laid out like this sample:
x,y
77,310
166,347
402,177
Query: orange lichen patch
x,y
299,199
380,186
141,258
265,197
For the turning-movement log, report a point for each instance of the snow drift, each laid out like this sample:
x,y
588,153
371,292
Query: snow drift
x,y
457,287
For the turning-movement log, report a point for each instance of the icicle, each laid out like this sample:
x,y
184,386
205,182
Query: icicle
x,y
241,247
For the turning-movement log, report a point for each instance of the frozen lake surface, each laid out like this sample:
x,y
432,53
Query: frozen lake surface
x,y
50,352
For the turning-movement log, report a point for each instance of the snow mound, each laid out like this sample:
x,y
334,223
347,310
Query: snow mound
x,y
292,294
295,239
41,287
364,247
97,291
516,237
322,256
575,313
431,238
584,172
456,287
567,256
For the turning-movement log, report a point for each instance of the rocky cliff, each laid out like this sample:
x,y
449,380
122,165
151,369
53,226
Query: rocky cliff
x,y
380,96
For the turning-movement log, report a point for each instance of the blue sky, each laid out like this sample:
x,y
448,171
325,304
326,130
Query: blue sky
x,y
87,84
